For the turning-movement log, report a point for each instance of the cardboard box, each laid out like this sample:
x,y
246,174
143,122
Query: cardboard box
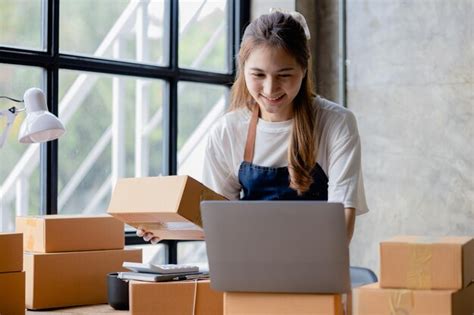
x,y
373,300
168,206
236,303
12,293
11,252
68,233
72,278
414,262
175,297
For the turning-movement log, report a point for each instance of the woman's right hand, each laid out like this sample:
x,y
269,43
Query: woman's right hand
x,y
147,235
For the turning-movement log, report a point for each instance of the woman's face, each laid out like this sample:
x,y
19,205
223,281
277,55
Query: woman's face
x,y
273,78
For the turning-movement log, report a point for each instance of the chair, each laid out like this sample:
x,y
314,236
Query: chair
x,y
361,276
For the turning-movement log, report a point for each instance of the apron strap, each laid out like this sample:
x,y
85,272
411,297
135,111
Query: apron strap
x,y
251,134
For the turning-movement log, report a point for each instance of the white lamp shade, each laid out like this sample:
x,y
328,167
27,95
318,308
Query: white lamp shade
x,y
39,125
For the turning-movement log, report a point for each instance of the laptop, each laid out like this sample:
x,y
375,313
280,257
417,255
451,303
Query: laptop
x,y
276,246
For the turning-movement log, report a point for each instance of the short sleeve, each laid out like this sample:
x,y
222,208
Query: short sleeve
x,y
218,173
345,170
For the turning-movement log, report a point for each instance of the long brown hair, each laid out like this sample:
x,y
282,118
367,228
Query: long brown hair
x,y
283,31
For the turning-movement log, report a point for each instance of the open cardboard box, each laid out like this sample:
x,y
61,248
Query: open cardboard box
x,y
168,206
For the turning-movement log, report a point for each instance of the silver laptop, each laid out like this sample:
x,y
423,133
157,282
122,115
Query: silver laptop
x,y
276,246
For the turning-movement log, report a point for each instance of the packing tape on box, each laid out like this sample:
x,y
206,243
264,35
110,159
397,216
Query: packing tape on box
x,y
401,302
30,223
195,293
419,267
195,296
355,302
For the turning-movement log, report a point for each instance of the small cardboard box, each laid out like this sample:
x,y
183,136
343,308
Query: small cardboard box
x,y
373,300
72,278
168,206
68,233
175,297
12,293
414,262
11,252
239,303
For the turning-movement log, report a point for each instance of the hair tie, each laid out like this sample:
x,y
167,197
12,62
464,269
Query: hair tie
x,y
298,17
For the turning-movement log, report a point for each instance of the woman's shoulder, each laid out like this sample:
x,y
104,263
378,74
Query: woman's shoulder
x,y
332,109
333,115
231,122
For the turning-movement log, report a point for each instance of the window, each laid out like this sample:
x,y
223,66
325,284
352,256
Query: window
x,y
136,82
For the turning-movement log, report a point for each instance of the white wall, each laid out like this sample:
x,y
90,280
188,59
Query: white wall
x,y
259,7
410,84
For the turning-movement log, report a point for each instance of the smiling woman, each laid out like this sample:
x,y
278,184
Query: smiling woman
x,y
280,141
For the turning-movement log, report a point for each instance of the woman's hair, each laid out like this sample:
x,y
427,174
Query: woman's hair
x,y
281,30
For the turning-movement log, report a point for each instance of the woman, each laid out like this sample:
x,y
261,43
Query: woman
x,y
279,140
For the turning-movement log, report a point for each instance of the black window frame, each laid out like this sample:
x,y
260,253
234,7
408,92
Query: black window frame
x,y
52,61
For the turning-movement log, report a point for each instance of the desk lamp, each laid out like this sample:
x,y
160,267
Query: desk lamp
x,y
39,125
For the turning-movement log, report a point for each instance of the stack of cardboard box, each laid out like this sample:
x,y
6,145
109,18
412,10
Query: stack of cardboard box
x,y
168,206
160,204
12,276
421,276
67,258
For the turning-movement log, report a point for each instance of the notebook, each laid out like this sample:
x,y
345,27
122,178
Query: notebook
x,y
276,246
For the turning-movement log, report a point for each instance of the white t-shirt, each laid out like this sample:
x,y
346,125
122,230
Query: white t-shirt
x,y
339,153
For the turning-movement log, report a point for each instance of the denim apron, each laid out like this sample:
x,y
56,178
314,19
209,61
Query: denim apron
x,y
273,183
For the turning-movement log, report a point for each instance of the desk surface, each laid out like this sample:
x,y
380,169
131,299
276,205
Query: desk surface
x,y
91,309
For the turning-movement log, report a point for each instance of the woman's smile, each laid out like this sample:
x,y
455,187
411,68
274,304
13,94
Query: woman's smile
x,y
273,99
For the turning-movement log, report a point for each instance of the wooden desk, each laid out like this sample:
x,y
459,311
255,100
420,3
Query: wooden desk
x,y
90,309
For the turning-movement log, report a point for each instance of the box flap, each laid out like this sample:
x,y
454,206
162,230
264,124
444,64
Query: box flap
x,y
194,193
468,264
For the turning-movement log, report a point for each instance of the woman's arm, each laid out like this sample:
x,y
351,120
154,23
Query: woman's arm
x,y
350,222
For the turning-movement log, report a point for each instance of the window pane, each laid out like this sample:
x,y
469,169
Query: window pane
x,y
116,29
193,253
152,253
19,166
203,40
20,23
199,106
114,129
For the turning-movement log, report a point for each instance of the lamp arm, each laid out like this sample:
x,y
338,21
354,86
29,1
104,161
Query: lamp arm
x,y
10,114
12,99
